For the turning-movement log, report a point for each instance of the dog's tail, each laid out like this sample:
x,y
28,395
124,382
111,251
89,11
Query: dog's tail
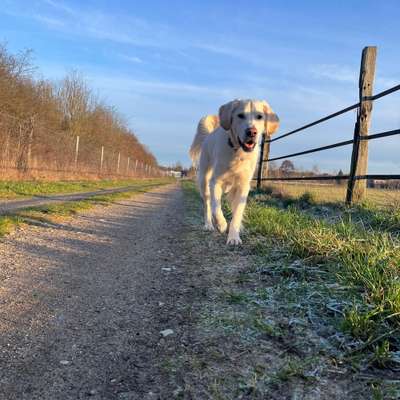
x,y
207,125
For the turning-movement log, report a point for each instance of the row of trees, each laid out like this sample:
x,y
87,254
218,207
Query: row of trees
x,y
40,120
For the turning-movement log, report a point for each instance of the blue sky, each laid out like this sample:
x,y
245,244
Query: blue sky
x,y
164,64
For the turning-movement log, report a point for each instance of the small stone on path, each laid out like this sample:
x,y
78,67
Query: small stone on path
x,y
167,332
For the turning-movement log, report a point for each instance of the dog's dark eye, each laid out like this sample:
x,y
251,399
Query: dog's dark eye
x,y
241,116
259,116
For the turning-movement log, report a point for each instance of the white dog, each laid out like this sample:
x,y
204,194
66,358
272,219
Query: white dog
x,y
225,150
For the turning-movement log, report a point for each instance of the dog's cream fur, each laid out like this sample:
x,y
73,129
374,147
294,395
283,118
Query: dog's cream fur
x,y
225,164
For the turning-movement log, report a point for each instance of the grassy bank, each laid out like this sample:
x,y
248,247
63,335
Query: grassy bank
x,y
15,189
365,261
47,213
309,305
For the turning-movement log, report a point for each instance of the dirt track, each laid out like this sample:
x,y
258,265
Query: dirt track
x,y
83,302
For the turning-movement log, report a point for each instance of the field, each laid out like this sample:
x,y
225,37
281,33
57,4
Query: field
x,y
326,194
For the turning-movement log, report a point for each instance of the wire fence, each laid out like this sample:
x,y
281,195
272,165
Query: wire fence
x,y
358,175
31,151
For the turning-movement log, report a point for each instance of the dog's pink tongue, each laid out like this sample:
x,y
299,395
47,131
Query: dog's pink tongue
x,y
249,145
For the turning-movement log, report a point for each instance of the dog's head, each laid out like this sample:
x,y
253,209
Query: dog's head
x,y
247,120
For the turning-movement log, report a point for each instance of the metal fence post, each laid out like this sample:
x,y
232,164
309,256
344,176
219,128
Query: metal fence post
x,y
359,159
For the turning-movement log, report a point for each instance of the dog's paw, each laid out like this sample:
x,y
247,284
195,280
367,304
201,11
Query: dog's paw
x,y
209,227
234,240
222,226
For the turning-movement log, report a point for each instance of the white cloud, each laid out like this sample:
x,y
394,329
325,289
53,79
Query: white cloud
x,y
132,59
155,87
60,6
49,21
335,72
344,73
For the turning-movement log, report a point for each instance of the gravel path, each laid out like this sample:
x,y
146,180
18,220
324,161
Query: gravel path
x,y
8,206
83,302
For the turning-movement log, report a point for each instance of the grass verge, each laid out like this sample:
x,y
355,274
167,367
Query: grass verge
x,y
366,261
307,308
47,213
21,189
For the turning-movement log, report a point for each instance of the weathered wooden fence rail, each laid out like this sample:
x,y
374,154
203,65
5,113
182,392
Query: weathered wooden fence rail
x,y
357,177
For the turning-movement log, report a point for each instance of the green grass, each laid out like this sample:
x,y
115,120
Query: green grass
x,y
46,213
365,260
7,224
20,189
316,294
361,257
368,215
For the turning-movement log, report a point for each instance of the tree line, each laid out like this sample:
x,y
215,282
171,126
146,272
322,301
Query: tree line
x,y
40,120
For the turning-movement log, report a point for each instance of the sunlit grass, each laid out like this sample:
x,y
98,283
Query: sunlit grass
x,y
366,260
20,189
46,213
360,249
328,194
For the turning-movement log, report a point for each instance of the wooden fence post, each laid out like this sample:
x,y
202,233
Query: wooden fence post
x,y
267,146
76,151
359,159
30,142
260,163
264,155
101,158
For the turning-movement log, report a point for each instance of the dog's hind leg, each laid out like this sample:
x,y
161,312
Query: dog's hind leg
x,y
204,187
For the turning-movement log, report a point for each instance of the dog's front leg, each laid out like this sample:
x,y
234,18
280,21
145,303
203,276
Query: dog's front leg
x,y
218,216
238,206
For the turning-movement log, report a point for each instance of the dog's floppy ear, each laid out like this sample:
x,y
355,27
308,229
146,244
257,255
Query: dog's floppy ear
x,y
271,119
225,114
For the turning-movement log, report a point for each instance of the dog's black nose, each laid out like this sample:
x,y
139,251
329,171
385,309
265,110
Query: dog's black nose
x,y
251,132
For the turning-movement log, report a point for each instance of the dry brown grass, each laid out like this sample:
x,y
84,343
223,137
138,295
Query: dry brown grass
x,y
325,194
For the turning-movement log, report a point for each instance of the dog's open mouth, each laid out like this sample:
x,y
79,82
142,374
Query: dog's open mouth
x,y
248,145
